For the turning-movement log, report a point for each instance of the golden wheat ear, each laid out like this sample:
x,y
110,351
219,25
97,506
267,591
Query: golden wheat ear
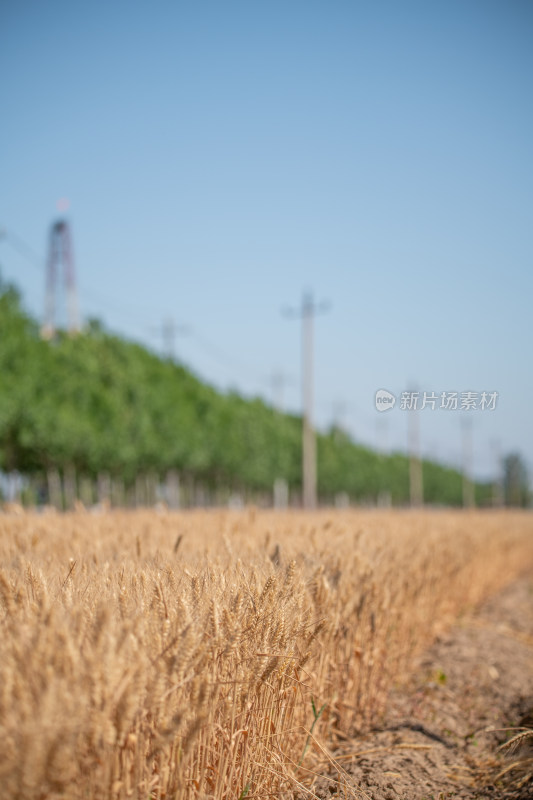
x,y
521,738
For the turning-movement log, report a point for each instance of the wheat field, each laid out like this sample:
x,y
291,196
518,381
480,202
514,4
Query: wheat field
x,y
218,654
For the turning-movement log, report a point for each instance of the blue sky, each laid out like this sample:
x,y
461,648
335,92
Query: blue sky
x,y
222,157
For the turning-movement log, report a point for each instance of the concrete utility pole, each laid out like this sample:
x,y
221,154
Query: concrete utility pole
x,y
416,486
168,332
469,500
307,313
339,414
278,380
382,436
497,485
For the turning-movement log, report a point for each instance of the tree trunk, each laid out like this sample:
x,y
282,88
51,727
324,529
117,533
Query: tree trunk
x,y
281,493
69,486
104,488
172,489
86,492
55,495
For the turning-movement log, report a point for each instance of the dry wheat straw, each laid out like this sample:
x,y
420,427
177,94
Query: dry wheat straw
x,y
147,655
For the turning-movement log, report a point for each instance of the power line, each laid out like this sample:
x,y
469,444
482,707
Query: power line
x,y
22,248
278,380
38,262
216,352
213,350
169,330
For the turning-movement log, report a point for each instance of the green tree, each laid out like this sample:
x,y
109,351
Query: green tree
x,y
515,481
97,403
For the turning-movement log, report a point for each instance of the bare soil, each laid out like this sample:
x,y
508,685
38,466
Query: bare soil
x,y
440,734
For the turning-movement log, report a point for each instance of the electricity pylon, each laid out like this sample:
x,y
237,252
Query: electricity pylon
x,y
60,251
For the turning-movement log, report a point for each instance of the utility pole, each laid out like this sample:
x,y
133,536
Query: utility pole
x,y
278,381
497,485
384,498
339,414
416,487
382,438
281,494
169,331
307,313
469,500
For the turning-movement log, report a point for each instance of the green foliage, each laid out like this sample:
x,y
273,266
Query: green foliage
x,y
316,717
442,485
97,403
515,481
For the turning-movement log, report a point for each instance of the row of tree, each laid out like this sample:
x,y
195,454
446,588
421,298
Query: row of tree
x,y
94,403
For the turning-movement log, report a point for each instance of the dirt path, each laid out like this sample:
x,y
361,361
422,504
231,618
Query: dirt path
x,y
433,743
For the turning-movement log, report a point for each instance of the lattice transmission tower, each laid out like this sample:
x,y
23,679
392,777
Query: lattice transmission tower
x,y
60,253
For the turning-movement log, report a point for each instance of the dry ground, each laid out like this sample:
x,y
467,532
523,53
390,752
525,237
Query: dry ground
x,y
433,741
